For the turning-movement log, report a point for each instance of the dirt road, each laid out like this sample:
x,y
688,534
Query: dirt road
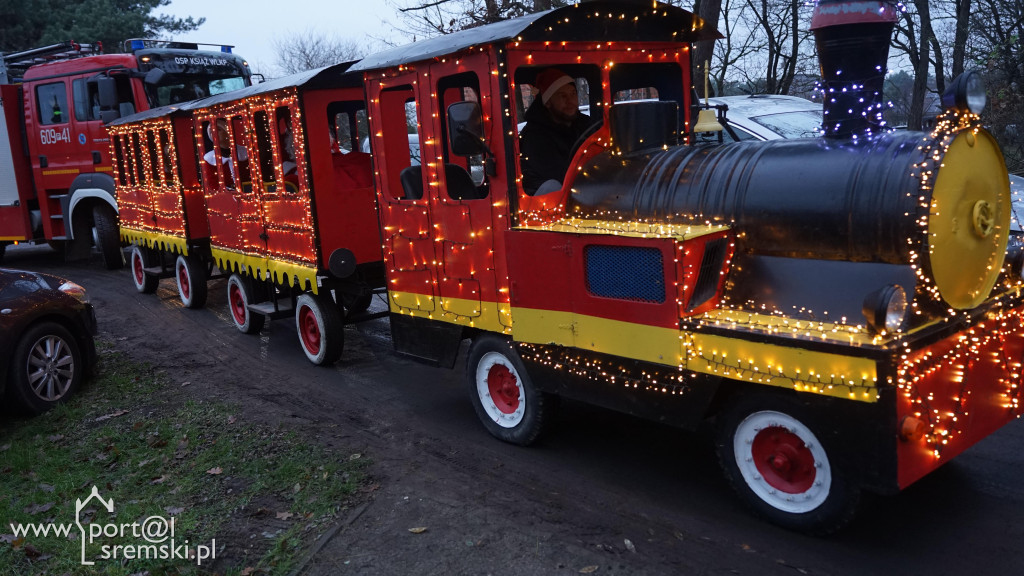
x,y
603,494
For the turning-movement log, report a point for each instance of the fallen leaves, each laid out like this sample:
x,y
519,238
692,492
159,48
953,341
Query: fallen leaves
x,y
284,515
34,509
174,510
111,415
215,470
589,569
418,530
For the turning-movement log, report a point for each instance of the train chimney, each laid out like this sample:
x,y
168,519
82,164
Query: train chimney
x,y
852,38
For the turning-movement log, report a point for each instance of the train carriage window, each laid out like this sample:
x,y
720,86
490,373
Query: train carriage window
x,y
119,154
167,156
349,146
650,81
400,135
140,170
264,148
286,147
52,102
154,157
240,157
464,175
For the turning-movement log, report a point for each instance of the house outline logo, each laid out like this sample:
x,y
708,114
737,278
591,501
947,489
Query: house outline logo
x,y
79,505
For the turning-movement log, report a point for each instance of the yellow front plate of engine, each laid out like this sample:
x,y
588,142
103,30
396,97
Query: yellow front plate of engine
x,y
969,220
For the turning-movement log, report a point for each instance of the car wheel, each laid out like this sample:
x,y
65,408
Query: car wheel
x,y
240,296
779,466
46,368
320,328
191,277
503,395
142,258
108,239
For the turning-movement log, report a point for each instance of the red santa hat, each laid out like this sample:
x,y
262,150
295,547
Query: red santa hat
x,y
549,81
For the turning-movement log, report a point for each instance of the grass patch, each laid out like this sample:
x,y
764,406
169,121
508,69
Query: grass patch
x,y
249,493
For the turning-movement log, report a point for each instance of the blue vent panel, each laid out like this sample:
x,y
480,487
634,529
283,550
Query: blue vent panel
x,y
625,272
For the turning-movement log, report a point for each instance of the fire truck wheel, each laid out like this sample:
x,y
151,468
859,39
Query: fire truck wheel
x,y
191,277
320,327
780,468
240,296
108,239
142,258
46,368
504,397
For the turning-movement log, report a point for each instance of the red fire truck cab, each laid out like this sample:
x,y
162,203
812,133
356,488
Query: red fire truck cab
x,y
55,165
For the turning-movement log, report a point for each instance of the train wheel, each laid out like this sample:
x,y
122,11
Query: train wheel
x,y
142,258
780,467
320,327
357,303
240,295
108,240
504,397
191,277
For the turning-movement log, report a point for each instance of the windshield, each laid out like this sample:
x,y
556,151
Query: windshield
x,y
178,88
799,124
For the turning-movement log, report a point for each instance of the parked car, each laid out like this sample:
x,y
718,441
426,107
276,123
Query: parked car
x,y
771,116
46,339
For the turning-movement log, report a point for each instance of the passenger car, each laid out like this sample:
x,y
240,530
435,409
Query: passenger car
x,y
46,339
771,116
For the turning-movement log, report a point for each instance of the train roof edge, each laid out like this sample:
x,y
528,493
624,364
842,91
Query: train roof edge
x,y
560,24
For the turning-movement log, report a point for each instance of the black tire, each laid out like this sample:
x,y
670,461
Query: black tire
x,y
777,463
503,395
190,275
321,328
357,303
46,368
142,258
3,248
108,238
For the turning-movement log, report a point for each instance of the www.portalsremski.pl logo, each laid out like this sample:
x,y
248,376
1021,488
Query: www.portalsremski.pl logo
x,y
149,539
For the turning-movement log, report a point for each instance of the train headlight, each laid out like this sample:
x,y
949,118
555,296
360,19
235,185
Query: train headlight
x,y
966,93
886,309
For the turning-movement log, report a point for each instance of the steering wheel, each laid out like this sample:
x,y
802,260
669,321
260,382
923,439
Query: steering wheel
x,y
590,130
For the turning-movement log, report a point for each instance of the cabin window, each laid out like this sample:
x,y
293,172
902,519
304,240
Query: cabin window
x,y
400,132
633,273
140,170
119,153
464,175
286,144
52,103
349,128
264,147
240,158
168,159
154,157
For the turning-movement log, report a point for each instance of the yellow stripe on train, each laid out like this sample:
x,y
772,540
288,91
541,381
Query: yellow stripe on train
x,y
279,271
159,240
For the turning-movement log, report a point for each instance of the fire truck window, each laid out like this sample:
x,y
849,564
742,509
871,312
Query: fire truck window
x,y
399,128
154,157
52,103
140,171
264,146
87,107
168,159
125,97
119,152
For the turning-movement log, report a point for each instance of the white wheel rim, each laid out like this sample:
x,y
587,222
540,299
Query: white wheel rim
x,y
505,404
181,272
768,467
138,275
238,303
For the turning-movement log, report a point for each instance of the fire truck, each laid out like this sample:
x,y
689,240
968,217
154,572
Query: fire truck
x,y
55,164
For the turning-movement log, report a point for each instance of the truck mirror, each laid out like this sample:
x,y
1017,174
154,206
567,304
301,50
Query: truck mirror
x,y
154,77
106,92
465,129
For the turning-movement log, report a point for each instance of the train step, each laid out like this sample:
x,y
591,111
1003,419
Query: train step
x,y
284,309
159,272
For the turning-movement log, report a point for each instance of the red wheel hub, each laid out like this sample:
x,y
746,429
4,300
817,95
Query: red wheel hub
x,y
309,330
183,281
140,274
784,460
502,385
237,304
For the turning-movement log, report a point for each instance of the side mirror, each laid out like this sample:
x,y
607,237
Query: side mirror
x,y
465,129
106,92
154,77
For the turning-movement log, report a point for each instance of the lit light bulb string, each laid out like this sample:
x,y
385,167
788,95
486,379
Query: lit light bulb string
x,y
295,267
868,102
167,179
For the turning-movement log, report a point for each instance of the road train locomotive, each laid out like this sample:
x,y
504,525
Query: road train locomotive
x,y
846,309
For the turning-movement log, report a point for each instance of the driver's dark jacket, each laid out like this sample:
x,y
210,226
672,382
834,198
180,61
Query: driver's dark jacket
x,y
546,146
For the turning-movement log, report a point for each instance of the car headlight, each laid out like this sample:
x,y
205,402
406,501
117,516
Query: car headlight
x,y
886,309
75,290
966,93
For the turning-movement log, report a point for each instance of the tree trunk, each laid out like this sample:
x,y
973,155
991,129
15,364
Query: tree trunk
x,y
916,118
709,11
963,16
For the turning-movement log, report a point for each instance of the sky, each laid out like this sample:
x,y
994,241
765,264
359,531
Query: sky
x,y
253,28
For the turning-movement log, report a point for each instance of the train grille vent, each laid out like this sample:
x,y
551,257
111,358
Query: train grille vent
x,y
710,273
625,272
